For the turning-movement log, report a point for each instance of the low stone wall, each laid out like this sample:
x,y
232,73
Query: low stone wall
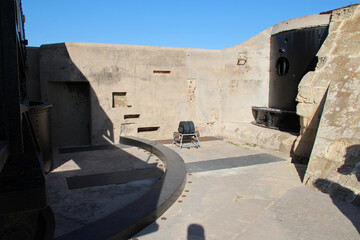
x,y
333,141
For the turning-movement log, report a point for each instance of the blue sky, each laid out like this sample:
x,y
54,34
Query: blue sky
x,y
182,23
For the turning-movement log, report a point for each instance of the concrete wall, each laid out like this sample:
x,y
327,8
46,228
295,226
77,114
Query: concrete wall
x,y
334,165
33,73
94,86
205,86
259,48
213,88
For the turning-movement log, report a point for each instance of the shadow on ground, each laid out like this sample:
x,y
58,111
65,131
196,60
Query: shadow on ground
x,y
195,232
302,147
340,194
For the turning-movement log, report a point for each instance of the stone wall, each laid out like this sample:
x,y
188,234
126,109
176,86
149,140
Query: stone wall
x,y
332,92
243,130
313,86
102,91
146,91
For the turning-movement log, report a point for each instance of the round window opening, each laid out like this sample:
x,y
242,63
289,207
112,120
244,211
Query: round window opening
x,y
282,66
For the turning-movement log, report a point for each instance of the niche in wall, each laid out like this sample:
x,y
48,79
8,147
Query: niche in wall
x,y
118,99
148,129
162,71
126,116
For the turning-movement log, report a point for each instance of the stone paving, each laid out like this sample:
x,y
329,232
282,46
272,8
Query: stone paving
x,y
74,208
261,201
234,190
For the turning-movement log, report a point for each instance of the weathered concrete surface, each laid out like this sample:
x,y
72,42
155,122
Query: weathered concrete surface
x,y
164,85
313,86
266,201
334,160
200,85
252,201
75,208
259,136
309,21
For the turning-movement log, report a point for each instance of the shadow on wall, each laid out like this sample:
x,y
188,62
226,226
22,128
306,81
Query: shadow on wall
x,y
352,162
350,170
77,117
302,147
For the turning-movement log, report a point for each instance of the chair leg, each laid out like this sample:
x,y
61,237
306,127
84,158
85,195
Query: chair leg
x,y
181,140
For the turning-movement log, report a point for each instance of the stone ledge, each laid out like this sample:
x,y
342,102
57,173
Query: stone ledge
x,y
260,136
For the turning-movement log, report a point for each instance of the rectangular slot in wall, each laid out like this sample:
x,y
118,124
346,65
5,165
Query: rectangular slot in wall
x,y
119,99
131,116
148,129
161,72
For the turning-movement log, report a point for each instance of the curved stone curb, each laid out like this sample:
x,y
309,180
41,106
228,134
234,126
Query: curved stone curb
x,y
143,211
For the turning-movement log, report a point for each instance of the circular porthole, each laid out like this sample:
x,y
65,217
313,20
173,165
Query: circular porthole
x,y
282,66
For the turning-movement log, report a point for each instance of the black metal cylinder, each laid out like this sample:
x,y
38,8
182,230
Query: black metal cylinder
x,y
292,55
40,120
186,127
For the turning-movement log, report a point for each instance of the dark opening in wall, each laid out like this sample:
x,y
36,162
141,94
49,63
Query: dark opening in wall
x,y
131,116
119,99
148,129
161,72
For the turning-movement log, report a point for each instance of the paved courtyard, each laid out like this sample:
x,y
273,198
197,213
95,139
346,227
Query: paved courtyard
x,y
233,191
261,197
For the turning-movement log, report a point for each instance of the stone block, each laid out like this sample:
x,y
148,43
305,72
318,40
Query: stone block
x,y
357,13
268,140
305,109
328,44
304,122
356,134
347,49
319,94
286,144
321,146
334,26
337,152
320,167
343,14
334,69
305,94
349,33
321,62
329,129
307,79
